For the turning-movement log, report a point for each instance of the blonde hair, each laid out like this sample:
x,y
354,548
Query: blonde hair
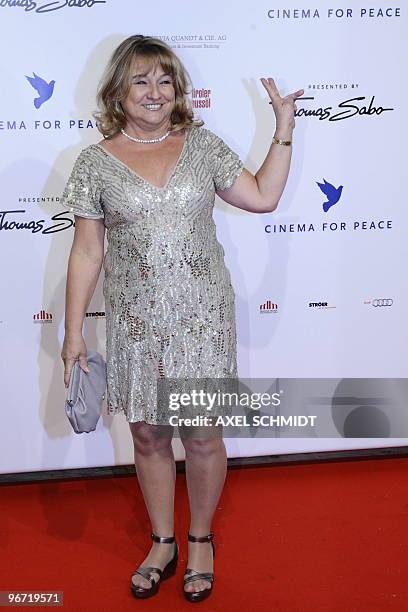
x,y
116,81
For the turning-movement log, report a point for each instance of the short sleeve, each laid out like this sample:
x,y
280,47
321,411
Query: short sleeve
x,y
226,164
82,193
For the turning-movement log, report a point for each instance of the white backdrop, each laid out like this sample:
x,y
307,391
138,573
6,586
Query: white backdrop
x,y
350,131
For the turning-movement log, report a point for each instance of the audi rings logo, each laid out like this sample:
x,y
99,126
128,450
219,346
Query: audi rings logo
x,y
382,302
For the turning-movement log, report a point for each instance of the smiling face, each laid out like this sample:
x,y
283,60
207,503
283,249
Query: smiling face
x,y
151,97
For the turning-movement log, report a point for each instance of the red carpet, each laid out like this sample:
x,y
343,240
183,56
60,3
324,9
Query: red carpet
x,y
318,537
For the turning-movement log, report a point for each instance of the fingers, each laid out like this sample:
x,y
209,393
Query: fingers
x,y
83,363
69,364
67,371
269,82
270,86
296,94
273,92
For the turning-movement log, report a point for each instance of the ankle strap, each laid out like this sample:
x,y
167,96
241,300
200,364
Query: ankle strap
x,y
162,540
207,538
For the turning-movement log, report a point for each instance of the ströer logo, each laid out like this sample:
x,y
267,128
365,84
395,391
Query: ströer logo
x,y
321,305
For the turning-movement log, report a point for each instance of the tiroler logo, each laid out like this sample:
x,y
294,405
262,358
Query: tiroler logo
x,y
201,98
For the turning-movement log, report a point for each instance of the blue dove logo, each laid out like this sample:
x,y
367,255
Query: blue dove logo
x,y
332,194
44,89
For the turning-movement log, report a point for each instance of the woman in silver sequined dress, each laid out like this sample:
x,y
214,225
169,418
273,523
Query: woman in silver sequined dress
x,y
151,183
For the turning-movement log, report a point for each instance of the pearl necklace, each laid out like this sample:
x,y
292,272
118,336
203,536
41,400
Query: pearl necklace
x,y
143,141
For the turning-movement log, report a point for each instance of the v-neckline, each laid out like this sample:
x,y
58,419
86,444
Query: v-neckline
x,y
159,188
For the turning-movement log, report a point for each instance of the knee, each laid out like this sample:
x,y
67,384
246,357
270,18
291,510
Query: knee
x,y
202,446
148,439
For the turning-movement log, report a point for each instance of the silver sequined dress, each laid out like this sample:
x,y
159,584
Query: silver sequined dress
x,y
169,301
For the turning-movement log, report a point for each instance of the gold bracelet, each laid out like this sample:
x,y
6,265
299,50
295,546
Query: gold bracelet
x,y
281,142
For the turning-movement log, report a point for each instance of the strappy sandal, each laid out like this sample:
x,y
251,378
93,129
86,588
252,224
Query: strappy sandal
x,y
193,575
147,572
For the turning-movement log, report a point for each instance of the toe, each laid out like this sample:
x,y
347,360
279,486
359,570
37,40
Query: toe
x,y
197,585
200,585
142,583
189,587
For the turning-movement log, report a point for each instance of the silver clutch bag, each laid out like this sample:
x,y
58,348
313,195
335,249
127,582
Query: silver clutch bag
x,y
86,392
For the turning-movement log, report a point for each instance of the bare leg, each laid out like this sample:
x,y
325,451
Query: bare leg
x,y
206,468
156,473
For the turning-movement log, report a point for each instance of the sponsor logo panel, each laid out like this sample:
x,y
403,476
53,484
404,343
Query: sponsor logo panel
x,y
95,315
42,317
380,302
322,305
268,307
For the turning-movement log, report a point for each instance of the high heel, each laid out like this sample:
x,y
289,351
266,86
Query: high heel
x,y
169,570
193,575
